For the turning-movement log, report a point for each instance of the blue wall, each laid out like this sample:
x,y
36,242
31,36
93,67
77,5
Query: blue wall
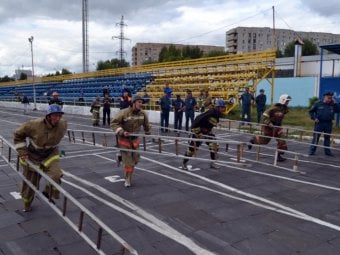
x,y
330,84
301,89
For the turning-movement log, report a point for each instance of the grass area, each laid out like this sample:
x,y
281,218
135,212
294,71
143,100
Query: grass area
x,y
296,117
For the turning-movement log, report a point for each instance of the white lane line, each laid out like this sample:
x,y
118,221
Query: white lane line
x,y
148,219
283,209
240,169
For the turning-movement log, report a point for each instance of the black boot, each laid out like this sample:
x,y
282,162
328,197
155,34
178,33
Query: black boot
x,y
48,197
280,158
250,146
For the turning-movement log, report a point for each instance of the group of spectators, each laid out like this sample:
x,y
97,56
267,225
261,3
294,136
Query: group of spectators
x,y
189,105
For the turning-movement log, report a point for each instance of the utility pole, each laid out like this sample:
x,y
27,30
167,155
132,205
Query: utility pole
x,y
274,32
85,37
34,94
121,37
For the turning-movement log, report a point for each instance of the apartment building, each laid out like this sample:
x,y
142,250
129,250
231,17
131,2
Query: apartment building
x,y
245,39
142,52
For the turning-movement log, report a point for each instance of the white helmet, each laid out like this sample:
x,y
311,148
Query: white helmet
x,y
284,98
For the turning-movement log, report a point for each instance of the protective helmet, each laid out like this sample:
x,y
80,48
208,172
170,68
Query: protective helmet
x,y
261,90
55,93
137,97
220,103
54,108
284,98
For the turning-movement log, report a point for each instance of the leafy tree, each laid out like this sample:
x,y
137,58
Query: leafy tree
x,y
215,53
149,61
191,52
312,101
170,54
23,76
308,48
279,53
111,64
65,71
6,79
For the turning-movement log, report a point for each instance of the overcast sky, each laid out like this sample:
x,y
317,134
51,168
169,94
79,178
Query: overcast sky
x,y
57,26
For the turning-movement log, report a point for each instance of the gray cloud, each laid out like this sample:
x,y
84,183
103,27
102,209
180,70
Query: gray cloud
x,y
331,8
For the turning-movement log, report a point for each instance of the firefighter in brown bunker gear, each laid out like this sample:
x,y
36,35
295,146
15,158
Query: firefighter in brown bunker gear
x,y
43,135
125,122
272,118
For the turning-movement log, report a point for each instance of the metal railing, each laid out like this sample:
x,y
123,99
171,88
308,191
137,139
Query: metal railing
x,y
9,155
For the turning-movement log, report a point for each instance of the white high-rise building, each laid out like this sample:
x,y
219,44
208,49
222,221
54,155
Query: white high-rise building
x,y
246,39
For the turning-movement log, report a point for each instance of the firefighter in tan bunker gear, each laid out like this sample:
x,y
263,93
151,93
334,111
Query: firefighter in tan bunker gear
x,y
44,135
128,121
272,118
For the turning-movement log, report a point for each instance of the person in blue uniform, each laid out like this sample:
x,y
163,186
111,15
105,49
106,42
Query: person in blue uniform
x,y
178,106
165,107
190,106
246,99
322,113
260,100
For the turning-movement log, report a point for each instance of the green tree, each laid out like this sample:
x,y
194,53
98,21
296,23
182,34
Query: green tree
x,y
215,53
279,53
23,76
149,61
191,52
6,79
111,64
65,71
170,54
308,48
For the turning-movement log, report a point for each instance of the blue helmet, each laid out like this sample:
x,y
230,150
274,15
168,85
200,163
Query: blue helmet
x,y
54,108
220,103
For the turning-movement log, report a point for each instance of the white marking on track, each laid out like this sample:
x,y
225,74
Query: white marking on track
x,y
15,194
146,218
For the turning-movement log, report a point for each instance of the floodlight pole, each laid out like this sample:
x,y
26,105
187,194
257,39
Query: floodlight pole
x,y
34,93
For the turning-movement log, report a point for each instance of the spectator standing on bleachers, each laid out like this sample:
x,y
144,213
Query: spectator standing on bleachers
x,y
200,100
165,107
208,102
146,97
81,95
167,90
124,88
189,108
56,100
106,109
178,106
95,110
125,100
48,94
26,102
246,99
106,91
260,100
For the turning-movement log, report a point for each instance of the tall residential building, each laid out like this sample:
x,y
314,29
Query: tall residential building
x,y
142,52
245,39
